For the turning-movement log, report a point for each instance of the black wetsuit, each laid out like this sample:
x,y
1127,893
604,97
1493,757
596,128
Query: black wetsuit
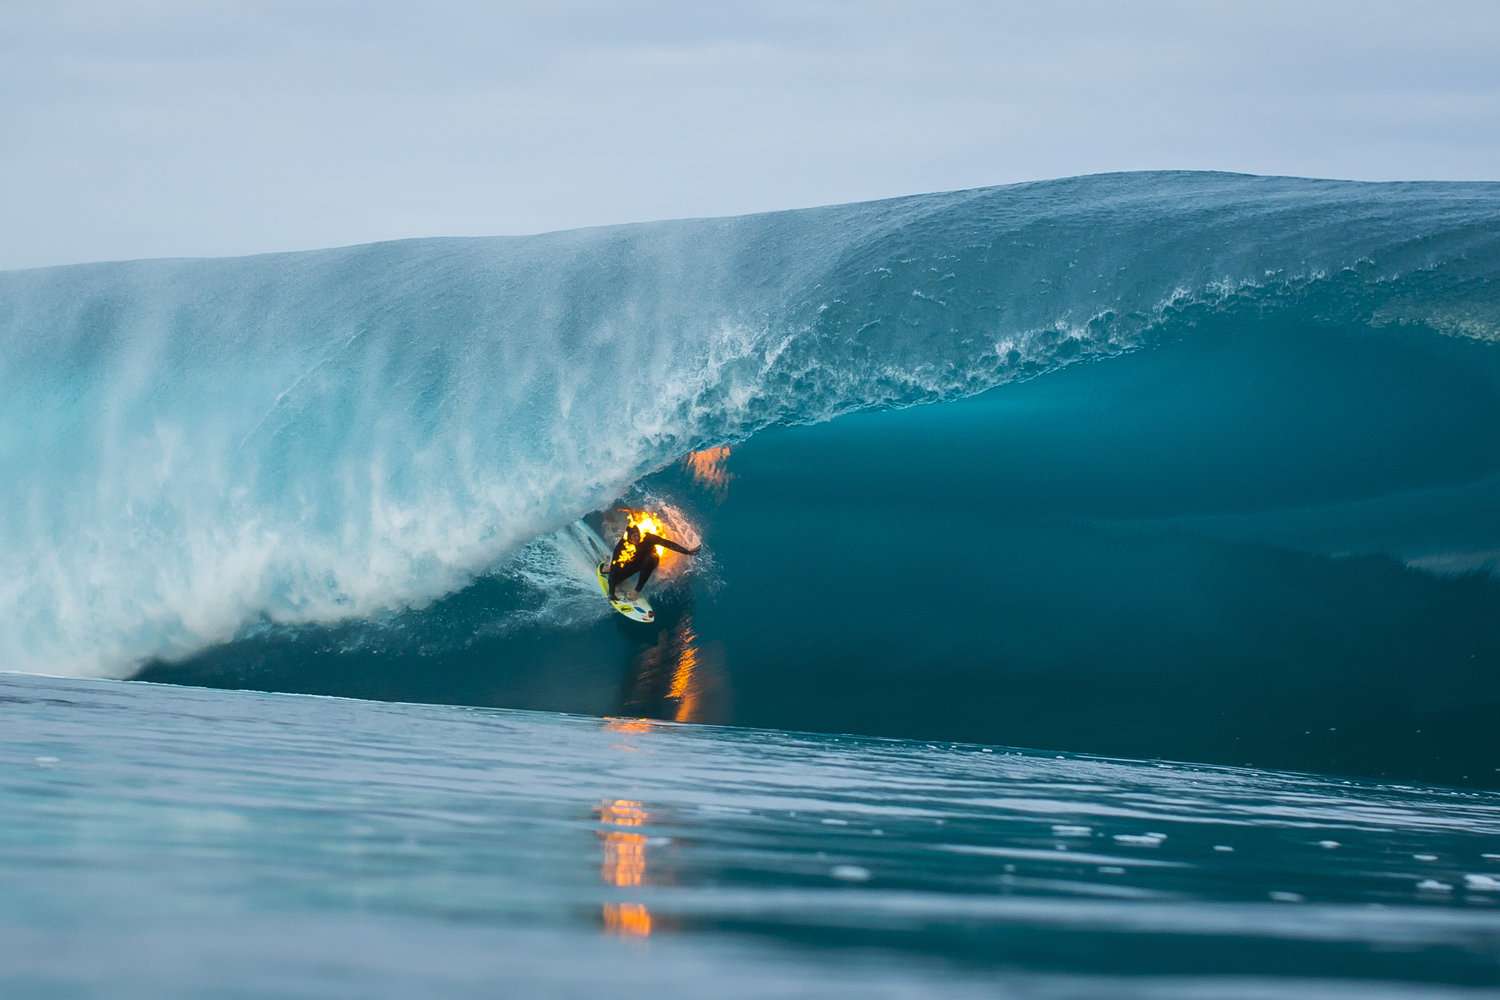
x,y
643,560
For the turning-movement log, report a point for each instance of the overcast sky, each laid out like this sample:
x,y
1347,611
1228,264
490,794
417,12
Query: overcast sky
x,y
142,128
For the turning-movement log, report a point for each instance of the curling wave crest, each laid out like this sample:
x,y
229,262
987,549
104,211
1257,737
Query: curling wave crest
x,y
194,446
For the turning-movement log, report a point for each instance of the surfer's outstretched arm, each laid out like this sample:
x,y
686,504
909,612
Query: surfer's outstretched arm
x,y
667,543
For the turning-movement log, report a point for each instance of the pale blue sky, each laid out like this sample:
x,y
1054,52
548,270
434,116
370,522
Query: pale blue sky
x,y
135,128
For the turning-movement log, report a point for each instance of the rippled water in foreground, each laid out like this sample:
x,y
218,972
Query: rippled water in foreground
x,y
163,839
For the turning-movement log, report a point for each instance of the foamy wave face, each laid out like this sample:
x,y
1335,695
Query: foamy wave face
x,y
351,479
191,447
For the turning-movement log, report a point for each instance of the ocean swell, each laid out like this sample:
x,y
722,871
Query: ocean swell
x,y
195,447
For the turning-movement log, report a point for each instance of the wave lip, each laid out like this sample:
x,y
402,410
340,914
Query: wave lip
x,y
198,445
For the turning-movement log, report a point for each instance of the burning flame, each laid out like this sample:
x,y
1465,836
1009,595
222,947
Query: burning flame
x,y
648,523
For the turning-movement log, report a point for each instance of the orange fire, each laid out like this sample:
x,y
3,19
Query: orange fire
x,y
649,524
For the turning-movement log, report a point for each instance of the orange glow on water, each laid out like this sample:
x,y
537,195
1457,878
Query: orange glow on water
x,y
684,688
630,919
624,865
623,812
709,468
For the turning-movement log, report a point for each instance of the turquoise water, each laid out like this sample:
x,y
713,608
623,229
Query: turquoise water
x,y
199,449
1261,545
168,840
1129,468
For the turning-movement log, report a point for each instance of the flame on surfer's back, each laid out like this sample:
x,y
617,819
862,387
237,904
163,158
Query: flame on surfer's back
x,y
648,523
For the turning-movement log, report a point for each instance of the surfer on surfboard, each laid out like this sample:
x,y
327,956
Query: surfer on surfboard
x,y
639,552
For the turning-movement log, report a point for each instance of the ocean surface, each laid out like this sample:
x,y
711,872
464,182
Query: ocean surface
x,y
1127,468
173,841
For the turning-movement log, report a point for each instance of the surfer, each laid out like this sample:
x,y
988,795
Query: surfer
x,y
636,552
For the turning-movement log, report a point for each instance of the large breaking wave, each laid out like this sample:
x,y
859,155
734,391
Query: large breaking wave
x,y
196,447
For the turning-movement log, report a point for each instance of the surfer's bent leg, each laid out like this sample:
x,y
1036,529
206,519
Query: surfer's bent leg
x,y
652,561
617,575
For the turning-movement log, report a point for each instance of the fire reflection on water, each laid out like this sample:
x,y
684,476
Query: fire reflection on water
x,y
673,679
676,679
685,682
709,469
630,919
624,865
